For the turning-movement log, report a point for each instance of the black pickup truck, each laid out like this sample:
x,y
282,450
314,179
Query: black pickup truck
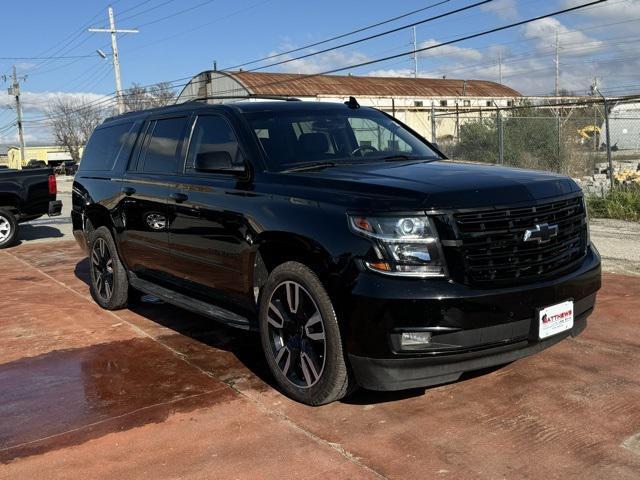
x,y
360,254
25,195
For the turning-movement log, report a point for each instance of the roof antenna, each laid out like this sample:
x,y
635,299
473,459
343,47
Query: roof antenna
x,y
352,103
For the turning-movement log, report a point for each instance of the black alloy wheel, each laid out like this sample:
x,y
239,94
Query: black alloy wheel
x,y
297,334
102,271
109,282
301,337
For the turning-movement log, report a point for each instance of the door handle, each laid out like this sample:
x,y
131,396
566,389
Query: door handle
x,y
128,191
179,197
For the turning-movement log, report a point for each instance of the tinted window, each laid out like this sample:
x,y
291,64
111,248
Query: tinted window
x,y
105,145
162,151
295,137
370,134
213,134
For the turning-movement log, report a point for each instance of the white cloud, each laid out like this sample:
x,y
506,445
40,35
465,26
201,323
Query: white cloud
x,y
391,72
36,105
453,51
506,9
322,62
544,33
39,102
607,12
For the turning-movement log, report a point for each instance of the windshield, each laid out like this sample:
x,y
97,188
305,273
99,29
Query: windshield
x,y
297,138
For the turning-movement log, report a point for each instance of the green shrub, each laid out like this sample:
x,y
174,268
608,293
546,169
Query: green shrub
x,y
623,203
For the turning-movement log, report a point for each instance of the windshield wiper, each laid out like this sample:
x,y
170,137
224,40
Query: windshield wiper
x,y
402,158
393,158
310,166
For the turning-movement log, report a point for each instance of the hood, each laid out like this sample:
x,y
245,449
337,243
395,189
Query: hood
x,y
436,185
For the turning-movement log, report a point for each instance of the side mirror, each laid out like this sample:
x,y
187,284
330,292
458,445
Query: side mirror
x,y
213,162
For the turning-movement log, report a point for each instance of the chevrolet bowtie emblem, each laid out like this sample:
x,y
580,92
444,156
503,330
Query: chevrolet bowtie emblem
x,y
541,233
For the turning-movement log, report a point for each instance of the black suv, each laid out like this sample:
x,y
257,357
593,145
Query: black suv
x,y
358,252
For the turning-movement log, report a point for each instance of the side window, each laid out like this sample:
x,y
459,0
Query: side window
x,y
371,134
105,145
162,151
213,133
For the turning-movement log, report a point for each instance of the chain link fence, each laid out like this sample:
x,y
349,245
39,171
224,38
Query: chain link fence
x,y
569,139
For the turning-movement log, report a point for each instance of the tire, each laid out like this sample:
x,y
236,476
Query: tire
x,y
109,282
301,337
8,229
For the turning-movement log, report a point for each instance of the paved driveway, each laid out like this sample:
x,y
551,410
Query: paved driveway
x,y
156,392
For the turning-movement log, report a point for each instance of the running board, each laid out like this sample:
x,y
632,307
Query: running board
x,y
183,301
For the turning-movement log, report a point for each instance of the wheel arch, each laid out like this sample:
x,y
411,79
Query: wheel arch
x,y
276,248
10,201
96,216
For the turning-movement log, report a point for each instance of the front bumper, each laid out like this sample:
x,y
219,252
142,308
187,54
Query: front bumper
x,y
472,329
404,373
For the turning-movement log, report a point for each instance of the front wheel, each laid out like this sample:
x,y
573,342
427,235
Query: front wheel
x,y
301,337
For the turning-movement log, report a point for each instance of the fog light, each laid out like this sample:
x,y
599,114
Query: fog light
x,y
413,339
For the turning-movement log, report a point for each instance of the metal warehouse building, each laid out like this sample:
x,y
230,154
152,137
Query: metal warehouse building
x,y
412,100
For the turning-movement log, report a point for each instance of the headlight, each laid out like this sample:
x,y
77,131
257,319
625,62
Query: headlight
x,y
405,246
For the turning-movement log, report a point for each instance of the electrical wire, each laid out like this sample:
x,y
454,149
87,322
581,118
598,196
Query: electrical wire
x,y
371,37
340,36
431,47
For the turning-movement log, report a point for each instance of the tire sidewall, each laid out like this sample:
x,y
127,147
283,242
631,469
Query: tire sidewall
x,y
318,393
118,297
13,224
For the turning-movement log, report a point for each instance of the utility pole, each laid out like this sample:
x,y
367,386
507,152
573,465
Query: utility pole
x,y
557,65
115,57
594,90
14,90
608,134
500,67
415,54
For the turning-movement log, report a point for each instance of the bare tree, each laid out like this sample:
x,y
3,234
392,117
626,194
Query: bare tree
x,y
139,97
72,121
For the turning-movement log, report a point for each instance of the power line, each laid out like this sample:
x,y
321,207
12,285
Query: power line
x,y
439,45
338,37
72,38
174,14
150,9
377,35
193,29
540,54
391,57
63,57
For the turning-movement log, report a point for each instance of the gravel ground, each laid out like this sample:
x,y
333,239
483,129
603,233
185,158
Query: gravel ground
x,y
619,244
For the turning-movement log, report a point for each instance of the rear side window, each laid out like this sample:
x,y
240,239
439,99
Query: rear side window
x,y
163,147
213,133
105,145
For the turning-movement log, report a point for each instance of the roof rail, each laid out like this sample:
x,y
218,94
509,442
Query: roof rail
x,y
243,97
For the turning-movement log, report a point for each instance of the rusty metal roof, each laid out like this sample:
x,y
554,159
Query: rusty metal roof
x,y
291,84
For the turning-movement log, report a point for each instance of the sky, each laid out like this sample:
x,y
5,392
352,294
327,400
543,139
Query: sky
x,y
179,38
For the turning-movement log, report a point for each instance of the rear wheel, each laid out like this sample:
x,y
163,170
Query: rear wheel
x,y
301,338
8,229
109,283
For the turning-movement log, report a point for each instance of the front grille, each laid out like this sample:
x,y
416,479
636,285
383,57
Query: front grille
x,y
492,249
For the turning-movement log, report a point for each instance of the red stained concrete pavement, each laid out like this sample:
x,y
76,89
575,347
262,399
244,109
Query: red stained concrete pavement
x,y
157,392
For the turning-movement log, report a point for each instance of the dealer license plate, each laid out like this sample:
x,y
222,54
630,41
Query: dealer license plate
x,y
555,319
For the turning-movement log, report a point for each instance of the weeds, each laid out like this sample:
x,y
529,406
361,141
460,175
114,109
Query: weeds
x,y
623,203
